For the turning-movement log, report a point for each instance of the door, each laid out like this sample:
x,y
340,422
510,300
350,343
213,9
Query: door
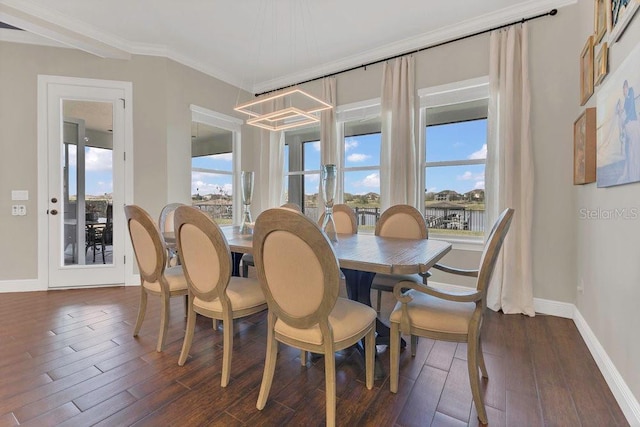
x,y
86,185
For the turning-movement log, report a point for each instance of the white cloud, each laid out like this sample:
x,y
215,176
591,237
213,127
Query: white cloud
x,y
479,185
98,159
480,154
201,184
371,181
350,143
316,145
358,157
468,176
204,188
95,159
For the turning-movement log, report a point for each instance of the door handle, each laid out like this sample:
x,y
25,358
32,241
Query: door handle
x,y
53,212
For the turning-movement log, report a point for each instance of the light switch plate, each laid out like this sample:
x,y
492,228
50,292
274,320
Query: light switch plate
x,y
19,194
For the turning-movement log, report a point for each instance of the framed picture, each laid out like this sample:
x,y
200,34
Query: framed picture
x,y
600,20
618,127
602,63
620,13
586,71
584,148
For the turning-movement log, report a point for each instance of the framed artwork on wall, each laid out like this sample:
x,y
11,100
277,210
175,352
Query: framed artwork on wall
x,y
618,127
620,13
601,63
586,71
600,20
584,148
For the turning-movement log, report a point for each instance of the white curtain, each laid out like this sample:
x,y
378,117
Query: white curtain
x,y
328,134
329,147
509,168
271,169
398,171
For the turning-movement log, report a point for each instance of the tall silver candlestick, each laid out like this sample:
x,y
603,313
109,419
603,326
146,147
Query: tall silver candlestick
x,y
247,194
328,190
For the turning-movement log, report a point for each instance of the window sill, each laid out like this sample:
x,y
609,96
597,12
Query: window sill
x,y
460,243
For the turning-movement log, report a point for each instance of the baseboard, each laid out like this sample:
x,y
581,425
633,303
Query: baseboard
x,y
30,285
554,308
623,395
23,285
625,398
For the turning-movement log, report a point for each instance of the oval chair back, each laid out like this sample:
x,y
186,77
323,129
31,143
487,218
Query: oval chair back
x,y
204,253
345,219
402,221
147,244
297,267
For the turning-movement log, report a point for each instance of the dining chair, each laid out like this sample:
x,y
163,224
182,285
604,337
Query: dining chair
x,y
299,274
155,277
213,292
247,259
429,312
344,217
401,221
165,223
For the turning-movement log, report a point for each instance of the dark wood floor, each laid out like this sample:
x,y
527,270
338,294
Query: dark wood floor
x,y
67,358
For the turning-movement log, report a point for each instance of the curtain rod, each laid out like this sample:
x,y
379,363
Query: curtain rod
x,y
552,12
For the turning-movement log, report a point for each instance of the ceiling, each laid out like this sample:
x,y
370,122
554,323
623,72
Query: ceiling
x,y
260,45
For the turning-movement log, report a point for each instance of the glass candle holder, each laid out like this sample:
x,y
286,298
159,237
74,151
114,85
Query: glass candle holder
x,y
328,178
247,194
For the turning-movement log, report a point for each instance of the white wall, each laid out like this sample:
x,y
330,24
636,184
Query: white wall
x,y
607,251
162,93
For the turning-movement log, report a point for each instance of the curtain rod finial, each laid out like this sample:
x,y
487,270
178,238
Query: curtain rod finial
x,y
553,12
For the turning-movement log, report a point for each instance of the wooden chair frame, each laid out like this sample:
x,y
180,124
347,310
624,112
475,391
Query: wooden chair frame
x,y
162,225
475,358
186,218
151,270
384,284
296,224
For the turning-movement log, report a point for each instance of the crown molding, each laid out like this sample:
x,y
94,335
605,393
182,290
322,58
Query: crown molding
x,y
481,23
25,37
60,28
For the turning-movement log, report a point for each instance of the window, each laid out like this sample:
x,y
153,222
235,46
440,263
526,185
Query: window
x,y
302,169
214,164
455,151
361,171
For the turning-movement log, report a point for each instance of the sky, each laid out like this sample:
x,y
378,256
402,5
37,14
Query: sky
x,y
457,141
98,171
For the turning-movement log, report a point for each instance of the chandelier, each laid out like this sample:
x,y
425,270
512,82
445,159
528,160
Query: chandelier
x,y
284,110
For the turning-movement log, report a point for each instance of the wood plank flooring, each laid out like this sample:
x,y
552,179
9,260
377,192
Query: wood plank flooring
x,y
67,358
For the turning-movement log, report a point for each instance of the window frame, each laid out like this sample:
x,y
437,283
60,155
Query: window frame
x,y
234,125
449,94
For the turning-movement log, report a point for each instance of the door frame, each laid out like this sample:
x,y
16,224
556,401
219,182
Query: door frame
x,y
43,167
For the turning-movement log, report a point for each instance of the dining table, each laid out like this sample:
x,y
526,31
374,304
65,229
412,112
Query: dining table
x,y
360,256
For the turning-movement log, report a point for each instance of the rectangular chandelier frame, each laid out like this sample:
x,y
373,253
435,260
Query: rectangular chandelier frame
x,y
300,109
